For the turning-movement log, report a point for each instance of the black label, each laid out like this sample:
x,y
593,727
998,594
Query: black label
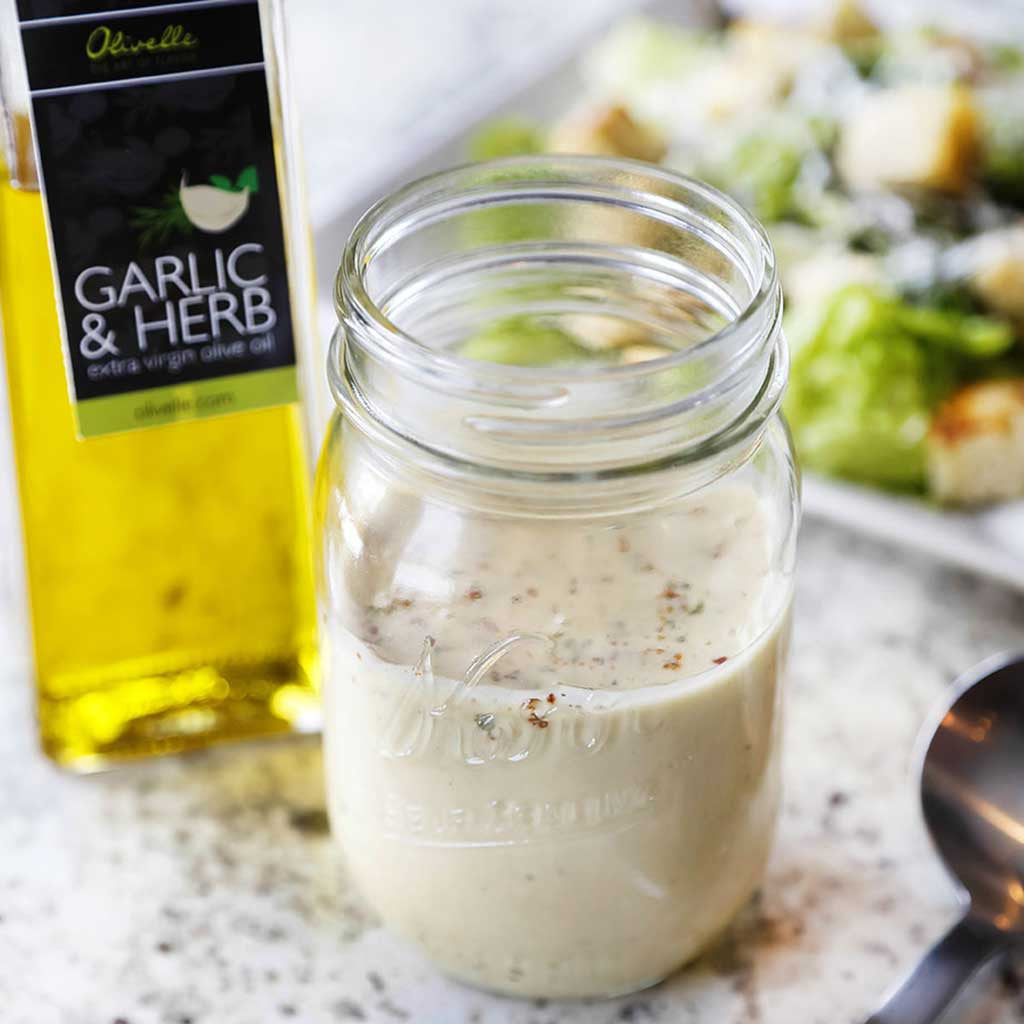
x,y
156,156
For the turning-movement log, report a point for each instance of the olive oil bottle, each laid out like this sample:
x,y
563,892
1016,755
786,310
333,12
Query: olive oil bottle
x,y
152,300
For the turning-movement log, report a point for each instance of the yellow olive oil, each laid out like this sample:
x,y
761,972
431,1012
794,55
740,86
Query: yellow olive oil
x,y
150,333
168,568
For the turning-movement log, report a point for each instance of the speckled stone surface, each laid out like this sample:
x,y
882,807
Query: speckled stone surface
x,y
205,890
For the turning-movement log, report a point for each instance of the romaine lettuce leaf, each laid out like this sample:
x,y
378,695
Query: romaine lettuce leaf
x,y
868,370
523,341
506,136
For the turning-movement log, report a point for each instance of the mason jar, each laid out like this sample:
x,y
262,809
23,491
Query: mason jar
x,y
557,513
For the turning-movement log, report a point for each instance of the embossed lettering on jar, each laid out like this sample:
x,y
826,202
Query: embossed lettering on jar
x,y
557,518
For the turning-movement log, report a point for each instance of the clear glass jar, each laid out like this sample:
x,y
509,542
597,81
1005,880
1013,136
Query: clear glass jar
x,y
556,597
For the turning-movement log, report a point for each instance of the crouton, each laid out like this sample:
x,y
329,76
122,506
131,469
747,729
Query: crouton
x,y
643,353
998,277
771,46
602,333
607,131
976,444
964,57
918,136
812,281
728,88
756,69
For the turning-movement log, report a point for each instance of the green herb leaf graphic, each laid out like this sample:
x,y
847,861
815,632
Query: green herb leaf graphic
x,y
222,182
248,178
156,224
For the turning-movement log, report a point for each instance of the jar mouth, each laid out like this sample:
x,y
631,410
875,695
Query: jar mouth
x,y
659,235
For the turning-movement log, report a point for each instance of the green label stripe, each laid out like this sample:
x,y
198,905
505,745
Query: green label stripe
x,y
201,399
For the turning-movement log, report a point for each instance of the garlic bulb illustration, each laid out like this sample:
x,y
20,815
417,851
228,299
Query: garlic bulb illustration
x,y
213,209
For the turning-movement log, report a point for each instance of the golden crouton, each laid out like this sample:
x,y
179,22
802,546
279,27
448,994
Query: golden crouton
x,y
643,353
919,136
601,333
756,69
976,444
607,131
998,277
810,282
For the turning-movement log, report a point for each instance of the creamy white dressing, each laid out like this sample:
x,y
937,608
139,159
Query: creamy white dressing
x,y
555,764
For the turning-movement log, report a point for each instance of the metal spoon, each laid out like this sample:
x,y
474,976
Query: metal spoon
x,y
972,794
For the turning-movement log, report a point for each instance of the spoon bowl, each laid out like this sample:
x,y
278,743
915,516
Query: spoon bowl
x,y
972,792
972,796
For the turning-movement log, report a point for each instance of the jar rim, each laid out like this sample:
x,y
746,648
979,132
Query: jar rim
x,y
750,337
351,292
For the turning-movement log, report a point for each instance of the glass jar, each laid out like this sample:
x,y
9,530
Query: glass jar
x,y
557,513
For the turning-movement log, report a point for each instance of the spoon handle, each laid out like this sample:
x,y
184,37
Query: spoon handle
x,y
942,973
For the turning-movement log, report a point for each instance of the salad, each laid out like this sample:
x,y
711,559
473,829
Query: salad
x,y
888,169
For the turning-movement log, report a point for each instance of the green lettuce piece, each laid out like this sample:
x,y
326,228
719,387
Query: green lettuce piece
x,y
639,54
506,136
868,370
1005,57
864,54
764,172
763,167
978,337
523,341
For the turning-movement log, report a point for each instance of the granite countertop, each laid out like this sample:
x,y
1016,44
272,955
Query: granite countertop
x,y
204,890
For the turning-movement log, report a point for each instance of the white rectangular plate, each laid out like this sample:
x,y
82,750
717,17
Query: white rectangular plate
x,y
988,542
